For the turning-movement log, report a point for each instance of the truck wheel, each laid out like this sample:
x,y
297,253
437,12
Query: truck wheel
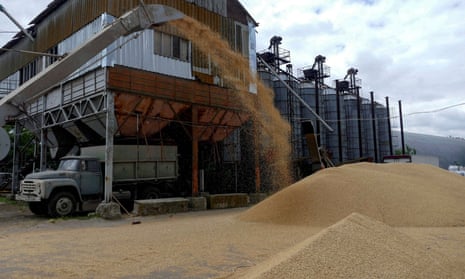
x,y
151,193
38,208
62,204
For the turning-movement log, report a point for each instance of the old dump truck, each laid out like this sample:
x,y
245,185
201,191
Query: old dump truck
x,y
77,185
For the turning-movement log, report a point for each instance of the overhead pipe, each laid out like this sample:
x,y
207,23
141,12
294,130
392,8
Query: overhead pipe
x,y
296,95
3,10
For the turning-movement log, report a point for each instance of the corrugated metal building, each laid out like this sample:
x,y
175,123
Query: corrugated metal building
x,y
165,91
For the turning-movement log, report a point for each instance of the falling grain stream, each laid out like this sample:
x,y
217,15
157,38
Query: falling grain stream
x,y
236,73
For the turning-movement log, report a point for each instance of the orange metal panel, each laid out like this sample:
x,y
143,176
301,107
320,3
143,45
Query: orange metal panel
x,y
151,114
158,98
141,82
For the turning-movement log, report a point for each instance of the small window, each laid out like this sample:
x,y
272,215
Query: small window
x,y
166,45
238,38
184,50
242,40
93,166
171,46
176,47
158,38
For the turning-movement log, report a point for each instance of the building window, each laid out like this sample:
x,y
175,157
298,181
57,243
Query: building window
x,y
171,46
28,71
241,43
49,60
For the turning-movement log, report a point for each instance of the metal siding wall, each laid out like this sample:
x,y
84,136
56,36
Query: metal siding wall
x,y
139,53
57,27
60,25
9,84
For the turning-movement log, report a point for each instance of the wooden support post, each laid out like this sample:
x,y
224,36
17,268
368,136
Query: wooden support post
x,y
195,152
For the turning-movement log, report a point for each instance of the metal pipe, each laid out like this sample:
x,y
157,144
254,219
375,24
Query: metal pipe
x,y
389,126
317,107
373,121
401,128
339,125
3,10
32,52
296,95
359,121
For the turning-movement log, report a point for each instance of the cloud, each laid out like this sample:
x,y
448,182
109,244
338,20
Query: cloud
x,y
403,49
23,12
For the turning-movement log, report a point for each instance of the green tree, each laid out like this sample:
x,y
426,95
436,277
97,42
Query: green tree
x,y
408,151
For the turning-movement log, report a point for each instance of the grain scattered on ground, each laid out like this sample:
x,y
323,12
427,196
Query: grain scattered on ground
x,y
357,247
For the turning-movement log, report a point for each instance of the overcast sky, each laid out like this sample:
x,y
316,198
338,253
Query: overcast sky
x,y
413,51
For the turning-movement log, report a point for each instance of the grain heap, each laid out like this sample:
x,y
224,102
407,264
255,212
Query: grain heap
x,y
357,247
396,194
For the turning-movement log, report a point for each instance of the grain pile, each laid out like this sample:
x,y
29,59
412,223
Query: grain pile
x,y
395,194
357,247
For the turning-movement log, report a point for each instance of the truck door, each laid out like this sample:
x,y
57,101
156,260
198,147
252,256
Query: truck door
x,y
91,178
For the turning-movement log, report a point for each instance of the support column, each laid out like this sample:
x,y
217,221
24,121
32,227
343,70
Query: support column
x,y
109,132
373,123
359,121
195,152
401,119
43,139
339,126
388,113
15,171
43,149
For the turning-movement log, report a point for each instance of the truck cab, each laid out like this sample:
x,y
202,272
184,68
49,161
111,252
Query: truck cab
x,y
73,186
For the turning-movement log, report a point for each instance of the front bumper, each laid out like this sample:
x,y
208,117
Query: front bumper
x,y
27,198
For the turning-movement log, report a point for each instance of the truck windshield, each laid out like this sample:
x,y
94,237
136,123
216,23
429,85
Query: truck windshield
x,y
70,164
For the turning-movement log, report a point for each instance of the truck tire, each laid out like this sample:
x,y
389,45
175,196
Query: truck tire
x,y
151,192
61,204
38,208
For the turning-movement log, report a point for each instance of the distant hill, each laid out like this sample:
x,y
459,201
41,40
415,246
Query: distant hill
x,y
450,151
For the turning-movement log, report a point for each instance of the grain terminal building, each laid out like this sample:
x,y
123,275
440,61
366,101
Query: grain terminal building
x,y
156,86
159,89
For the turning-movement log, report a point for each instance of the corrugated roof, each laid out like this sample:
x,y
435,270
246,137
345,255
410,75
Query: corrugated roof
x,y
50,8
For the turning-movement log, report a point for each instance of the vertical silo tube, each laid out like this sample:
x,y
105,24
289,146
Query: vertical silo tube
x,y
359,121
401,118
339,126
373,121
388,120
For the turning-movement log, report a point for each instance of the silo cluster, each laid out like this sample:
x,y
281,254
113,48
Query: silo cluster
x,y
360,126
